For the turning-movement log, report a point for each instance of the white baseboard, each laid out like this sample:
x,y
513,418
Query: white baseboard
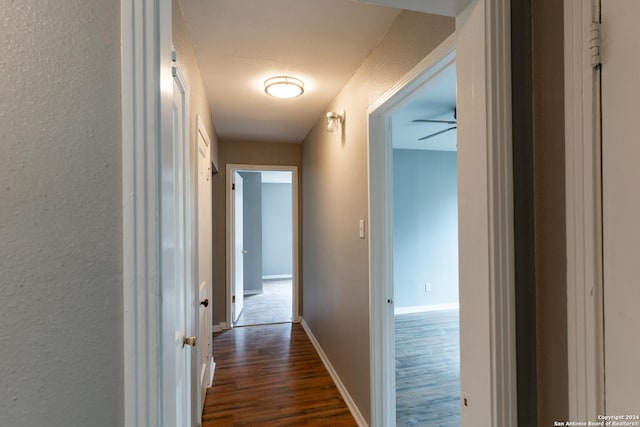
x,y
253,292
212,371
336,379
220,327
203,370
277,277
424,308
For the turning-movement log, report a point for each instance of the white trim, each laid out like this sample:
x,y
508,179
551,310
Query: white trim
x,y
499,171
146,62
277,277
419,75
583,204
231,168
212,371
353,408
426,308
203,371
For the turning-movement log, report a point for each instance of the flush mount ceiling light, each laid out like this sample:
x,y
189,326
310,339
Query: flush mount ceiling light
x,y
284,87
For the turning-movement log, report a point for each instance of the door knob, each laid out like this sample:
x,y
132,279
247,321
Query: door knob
x,y
189,341
205,302
244,251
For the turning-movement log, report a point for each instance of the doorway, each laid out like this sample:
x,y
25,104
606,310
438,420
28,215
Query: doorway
x,y
485,251
262,250
425,254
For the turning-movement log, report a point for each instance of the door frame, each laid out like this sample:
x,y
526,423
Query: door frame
x,y
381,222
485,182
585,328
147,86
231,168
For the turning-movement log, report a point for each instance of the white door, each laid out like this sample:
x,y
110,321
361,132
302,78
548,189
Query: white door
x,y
237,300
621,203
204,262
176,278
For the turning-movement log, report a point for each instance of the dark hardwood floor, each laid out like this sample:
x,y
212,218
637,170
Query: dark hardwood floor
x,y
271,376
428,369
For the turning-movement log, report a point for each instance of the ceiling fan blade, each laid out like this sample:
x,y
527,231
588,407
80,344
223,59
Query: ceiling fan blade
x,y
448,122
437,133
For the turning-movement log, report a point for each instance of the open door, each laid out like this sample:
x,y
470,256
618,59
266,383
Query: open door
x,y
241,195
237,296
204,262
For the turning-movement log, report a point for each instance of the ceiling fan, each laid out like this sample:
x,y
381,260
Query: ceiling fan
x,y
453,122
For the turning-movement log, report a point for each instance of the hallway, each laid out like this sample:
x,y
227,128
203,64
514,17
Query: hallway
x,y
271,376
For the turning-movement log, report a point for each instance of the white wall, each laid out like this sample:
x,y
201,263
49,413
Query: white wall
x,y
334,179
60,214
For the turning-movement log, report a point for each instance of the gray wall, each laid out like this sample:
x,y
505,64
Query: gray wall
x,y
60,214
334,181
252,231
277,236
425,227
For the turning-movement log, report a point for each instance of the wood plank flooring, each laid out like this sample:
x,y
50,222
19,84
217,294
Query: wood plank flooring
x,y
273,305
271,376
428,369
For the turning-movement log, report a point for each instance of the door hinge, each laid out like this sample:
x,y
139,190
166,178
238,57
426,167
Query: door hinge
x,y
233,186
233,299
174,59
595,44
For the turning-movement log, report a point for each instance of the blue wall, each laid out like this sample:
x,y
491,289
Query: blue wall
x,y
425,227
277,229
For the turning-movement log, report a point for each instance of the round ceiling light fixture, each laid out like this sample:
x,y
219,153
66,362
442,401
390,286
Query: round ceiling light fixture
x,y
284,87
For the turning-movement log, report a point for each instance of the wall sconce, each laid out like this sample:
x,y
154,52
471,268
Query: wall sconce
x,y
334,121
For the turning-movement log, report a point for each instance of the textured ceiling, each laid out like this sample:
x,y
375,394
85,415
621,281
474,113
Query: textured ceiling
x,y
240,43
